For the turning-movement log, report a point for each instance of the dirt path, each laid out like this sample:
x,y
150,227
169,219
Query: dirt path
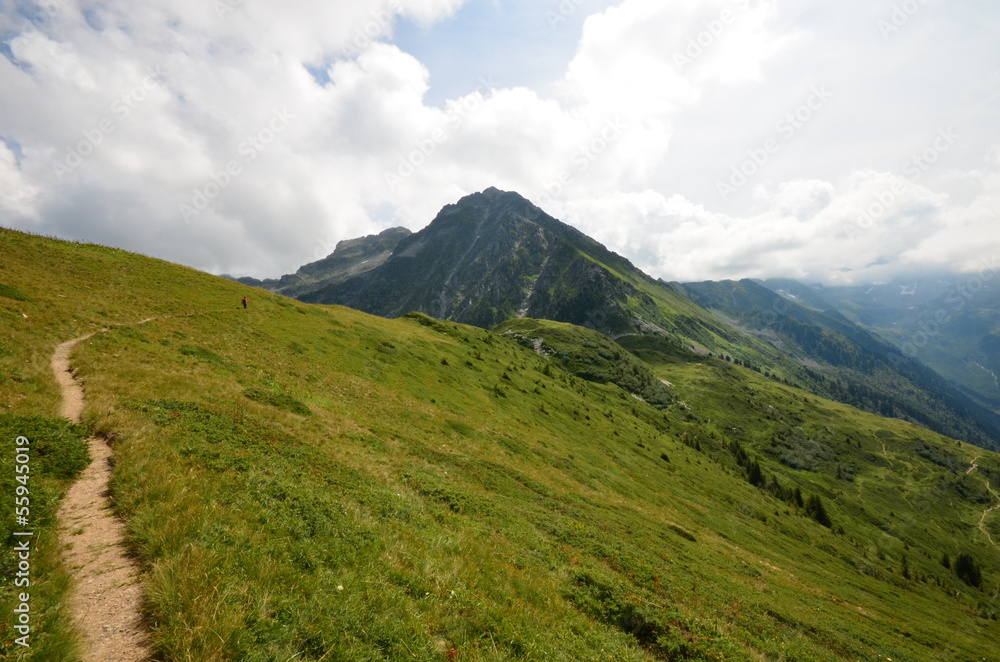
x,y
982,520
107,598
989,488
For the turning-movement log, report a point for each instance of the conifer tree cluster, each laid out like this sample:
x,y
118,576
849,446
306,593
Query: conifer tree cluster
x,y
816,510
813,506
968,570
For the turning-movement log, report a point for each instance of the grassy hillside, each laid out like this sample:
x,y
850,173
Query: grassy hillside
x,y
591,356
313,483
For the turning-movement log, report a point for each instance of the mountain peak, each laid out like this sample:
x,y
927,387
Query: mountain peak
x,y
493,192
494,255
495,199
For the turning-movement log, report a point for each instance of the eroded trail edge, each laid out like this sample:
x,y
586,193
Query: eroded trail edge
x,y
106,600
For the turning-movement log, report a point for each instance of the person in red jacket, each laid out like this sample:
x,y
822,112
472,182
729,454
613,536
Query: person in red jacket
x,y
244,303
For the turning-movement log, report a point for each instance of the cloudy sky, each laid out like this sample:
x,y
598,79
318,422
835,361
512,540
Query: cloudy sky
x,y
845,141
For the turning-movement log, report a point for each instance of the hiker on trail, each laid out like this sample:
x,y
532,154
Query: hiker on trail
x,y
244,303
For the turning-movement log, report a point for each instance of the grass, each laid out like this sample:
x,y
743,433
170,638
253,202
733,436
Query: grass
x,y
314,483
591,356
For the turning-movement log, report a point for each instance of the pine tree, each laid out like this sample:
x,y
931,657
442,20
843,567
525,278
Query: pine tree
x,y
968,570
816,510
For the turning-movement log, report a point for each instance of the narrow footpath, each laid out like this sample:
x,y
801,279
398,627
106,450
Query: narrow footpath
x,y
106,601
982,520
973,466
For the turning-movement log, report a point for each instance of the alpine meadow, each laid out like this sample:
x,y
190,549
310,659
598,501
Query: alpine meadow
x,y
309,482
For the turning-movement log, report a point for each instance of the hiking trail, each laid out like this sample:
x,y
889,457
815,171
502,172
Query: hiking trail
x,y
106,600
973,466
982,520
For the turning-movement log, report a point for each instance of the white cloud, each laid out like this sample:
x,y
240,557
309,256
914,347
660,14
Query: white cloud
x,y
966,236
649,57
871,227
16,194
628,144
51,59
127,113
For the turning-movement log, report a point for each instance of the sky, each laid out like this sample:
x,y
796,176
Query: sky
x,y
842,142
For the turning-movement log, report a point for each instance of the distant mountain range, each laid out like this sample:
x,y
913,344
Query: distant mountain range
x,y
951,322
848,362
494,256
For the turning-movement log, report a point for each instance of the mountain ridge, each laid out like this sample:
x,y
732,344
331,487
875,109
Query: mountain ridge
x,y
494,256
350,258
948,321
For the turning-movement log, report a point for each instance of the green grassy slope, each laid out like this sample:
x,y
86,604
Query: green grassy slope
x,y
589,355
314,483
